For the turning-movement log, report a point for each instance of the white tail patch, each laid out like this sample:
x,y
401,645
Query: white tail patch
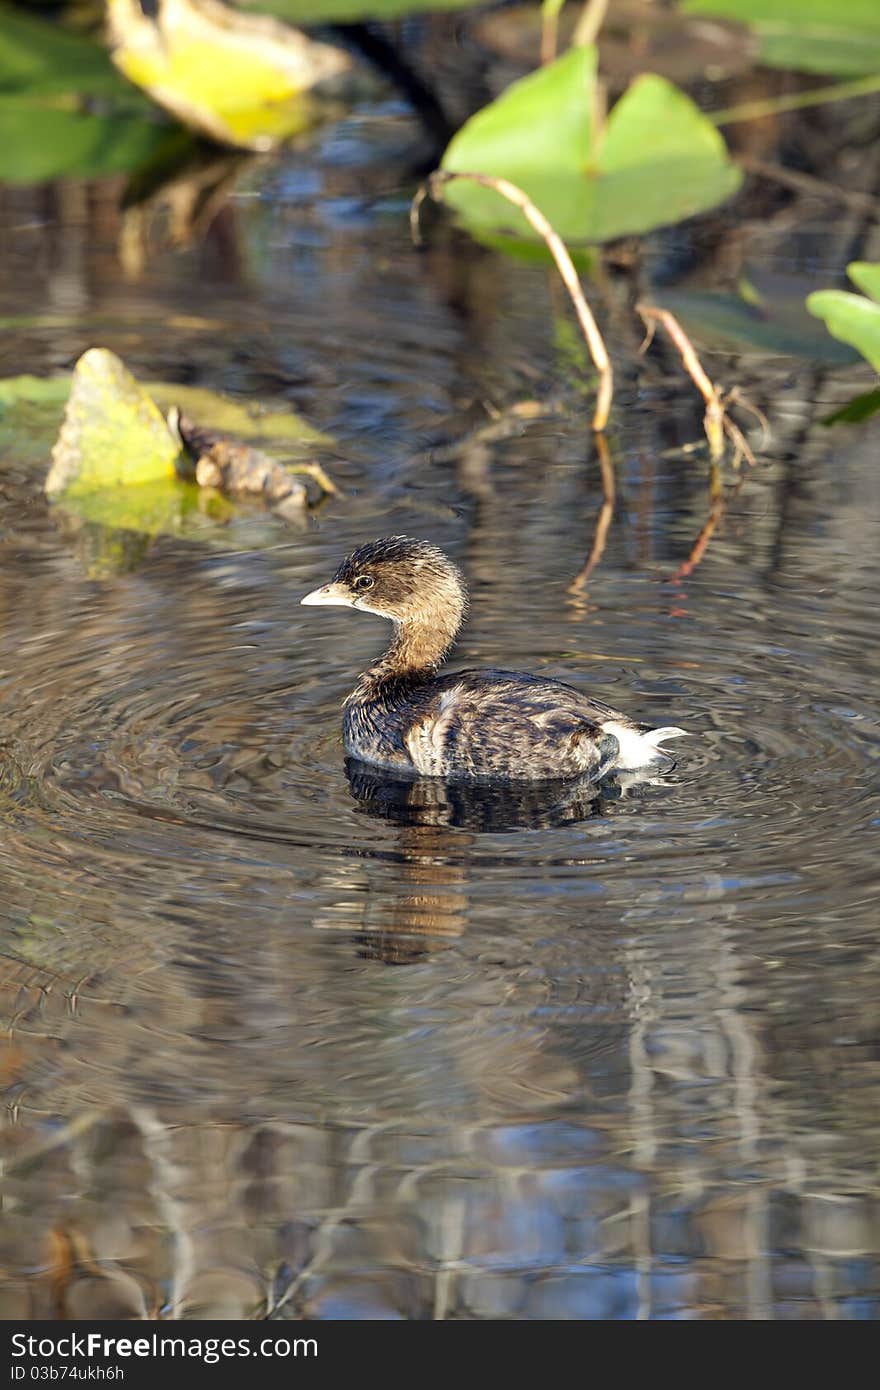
x,y
641,749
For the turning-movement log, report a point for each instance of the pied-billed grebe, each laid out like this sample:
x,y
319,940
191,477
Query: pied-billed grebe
x,y
402,715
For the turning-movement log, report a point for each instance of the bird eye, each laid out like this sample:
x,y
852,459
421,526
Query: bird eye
x,y
363,581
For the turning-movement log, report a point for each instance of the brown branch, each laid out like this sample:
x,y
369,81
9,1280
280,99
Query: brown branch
x,y
713,419
556,246
716,420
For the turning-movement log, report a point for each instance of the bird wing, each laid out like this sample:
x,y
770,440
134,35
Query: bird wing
x,y
500,723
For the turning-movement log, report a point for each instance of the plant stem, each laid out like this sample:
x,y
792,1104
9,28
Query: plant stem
x,y
794,101
591,21
550,11
713,420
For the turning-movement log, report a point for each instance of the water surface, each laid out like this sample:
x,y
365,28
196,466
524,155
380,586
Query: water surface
x,y
284,1040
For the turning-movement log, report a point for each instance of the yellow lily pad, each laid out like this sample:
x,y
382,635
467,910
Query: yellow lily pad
x,y
242,80
34,405
110,516
227,416
113,433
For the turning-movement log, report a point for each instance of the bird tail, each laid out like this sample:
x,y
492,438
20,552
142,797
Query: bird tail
x,y
654,737
640,747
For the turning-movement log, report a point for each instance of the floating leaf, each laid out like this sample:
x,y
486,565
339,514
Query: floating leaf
x,y
250,420
46,78
657,160
341,11
851,317
772,322
113,433
106,521
39,143
841,37
31,410
42,59
33,390
239,79
867,277
855,411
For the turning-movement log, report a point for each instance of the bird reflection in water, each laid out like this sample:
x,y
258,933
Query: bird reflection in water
x,y
428,909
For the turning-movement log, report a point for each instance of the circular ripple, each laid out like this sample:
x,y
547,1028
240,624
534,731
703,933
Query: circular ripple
x,y
234,745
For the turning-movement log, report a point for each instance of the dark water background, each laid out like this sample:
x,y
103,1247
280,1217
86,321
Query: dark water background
x,y
285,1042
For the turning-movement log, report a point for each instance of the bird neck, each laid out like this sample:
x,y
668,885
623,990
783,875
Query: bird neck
x,y
420,645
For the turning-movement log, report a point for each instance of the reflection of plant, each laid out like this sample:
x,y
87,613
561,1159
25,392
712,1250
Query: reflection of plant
x,y
853,318
555,245
717,423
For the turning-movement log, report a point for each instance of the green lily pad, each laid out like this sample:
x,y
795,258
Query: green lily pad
x,y
855,411
42,59
40,142
768,319
867,277
113,434
112,525
656,161
49,391
839,37
47,76
853,318
31,411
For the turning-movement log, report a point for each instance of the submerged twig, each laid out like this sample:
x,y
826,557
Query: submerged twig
x,y
603,519
564,264
716,420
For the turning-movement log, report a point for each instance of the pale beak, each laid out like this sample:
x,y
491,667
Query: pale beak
x,y
331,594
